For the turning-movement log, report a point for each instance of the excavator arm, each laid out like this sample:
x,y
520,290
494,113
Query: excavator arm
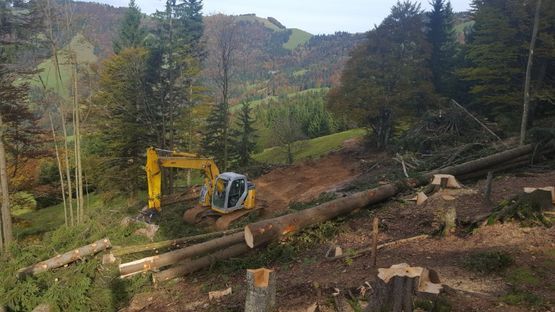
x,y
155,162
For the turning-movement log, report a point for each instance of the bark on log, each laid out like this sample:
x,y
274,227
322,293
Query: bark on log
x,y
172,257
260,233
174,243
65,258
190,266
261,290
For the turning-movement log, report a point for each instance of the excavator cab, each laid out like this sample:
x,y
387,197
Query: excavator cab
x,y
232,192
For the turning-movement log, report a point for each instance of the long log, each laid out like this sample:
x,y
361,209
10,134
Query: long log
x,y
174,243
190,266
172,257
66,258
260,233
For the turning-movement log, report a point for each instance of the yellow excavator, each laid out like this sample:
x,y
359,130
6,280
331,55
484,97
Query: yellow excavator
x,y
225,197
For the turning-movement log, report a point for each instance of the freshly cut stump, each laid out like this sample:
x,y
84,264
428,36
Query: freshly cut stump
x,y
397,286
261,290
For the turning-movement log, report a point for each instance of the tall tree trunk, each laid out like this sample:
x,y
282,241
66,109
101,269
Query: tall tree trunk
x,y
526,108
77,133
60,172
6,214
68,173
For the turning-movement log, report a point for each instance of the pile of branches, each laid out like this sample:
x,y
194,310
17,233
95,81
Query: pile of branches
x,y
444,128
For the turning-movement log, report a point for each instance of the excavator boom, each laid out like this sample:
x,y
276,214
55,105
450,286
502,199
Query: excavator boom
x,y
154,163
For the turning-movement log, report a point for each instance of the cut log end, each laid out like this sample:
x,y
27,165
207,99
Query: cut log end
x,y
249,238
261,277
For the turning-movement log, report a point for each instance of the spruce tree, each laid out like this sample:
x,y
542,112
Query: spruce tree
x,y
442,39
497,54
131,34
212,144
244,141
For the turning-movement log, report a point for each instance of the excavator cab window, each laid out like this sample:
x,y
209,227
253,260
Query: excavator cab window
x,y
235,192
219,193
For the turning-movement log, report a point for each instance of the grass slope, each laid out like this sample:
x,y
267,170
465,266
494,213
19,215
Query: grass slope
x,y
255,103
253,18
297,38
85,56
310,148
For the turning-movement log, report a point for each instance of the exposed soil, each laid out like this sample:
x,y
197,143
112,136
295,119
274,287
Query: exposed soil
x,y
305,181
311,278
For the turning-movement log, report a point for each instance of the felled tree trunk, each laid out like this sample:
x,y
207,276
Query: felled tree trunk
x,y
190,266
174,243
396,287
172,257
261,290
65,258
259,233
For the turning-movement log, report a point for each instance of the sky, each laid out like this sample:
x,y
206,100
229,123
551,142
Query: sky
x,y
314,16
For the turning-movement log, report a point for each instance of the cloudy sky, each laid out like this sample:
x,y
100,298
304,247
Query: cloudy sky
x,y
314,16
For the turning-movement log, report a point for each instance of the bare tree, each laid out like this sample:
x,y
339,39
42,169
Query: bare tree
x,y
526,109
222,43
287,132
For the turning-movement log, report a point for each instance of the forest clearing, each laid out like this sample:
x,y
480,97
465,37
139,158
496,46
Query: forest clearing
x,y
163,157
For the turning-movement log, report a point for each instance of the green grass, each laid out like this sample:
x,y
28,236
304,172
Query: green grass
x,y
461,27
264,21
256,103
310,148
85,55
488,262
297,38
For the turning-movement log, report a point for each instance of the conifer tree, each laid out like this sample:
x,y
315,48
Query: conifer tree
x,y
442,39
244,136
131,33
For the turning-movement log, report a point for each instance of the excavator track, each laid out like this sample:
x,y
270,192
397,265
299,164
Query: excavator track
x,y
224,221
199,215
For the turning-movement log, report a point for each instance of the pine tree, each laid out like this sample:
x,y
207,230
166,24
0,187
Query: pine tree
x,y
124,121
244,141
131,34
212,144
496,53
442,39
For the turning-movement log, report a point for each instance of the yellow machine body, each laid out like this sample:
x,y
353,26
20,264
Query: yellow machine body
x,y
223,193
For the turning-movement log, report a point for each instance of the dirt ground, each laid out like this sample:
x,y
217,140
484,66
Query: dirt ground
x,y
311,278
304,182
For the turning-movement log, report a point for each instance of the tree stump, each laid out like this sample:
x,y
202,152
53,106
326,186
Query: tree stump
x,y
261,290
396,287
445,181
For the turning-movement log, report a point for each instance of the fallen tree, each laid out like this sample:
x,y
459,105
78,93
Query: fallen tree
x,y
172,257
260,233
174,243
66,258
190,266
